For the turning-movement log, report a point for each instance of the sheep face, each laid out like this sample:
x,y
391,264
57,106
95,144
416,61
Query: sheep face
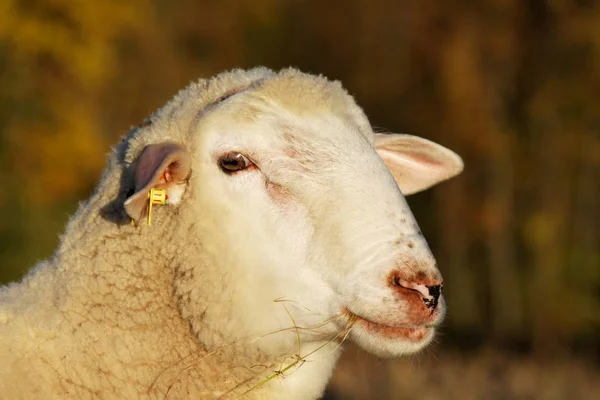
x,y
302,215
297,230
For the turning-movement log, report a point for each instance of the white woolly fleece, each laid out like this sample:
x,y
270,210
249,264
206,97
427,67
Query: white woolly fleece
x,y
246,283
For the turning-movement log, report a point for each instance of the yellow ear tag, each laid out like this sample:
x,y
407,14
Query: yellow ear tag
x,y
158,197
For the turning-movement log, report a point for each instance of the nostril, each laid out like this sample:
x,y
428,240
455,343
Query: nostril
x,y
396,281
430,294
435,291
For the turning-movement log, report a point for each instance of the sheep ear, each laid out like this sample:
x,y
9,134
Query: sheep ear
x,y
160,166
416,163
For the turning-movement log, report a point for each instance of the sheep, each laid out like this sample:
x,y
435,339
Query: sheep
x,y
283,232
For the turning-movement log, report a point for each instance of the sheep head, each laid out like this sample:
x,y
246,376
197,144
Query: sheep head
x,y
294,217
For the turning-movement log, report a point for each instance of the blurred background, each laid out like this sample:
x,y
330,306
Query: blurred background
x,y
513,86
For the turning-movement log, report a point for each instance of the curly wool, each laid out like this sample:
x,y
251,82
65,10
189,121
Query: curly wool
x,y
108,315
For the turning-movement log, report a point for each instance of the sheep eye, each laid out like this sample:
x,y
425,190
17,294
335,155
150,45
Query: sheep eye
x,y
232,162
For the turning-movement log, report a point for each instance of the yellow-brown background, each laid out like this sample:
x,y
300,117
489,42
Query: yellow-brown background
x,y
511,85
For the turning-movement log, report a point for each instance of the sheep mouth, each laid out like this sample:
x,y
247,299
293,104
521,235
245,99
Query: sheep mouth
x,y
407,333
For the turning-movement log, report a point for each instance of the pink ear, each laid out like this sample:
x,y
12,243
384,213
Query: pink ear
x,y
416,163
160,166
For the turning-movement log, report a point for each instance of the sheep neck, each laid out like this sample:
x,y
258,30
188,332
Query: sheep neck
x,y
114,293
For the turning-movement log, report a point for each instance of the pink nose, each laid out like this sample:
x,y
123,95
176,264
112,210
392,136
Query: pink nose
x,y
430,289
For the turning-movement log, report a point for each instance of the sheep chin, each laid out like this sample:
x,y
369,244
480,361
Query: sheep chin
x,y
385,347
387,341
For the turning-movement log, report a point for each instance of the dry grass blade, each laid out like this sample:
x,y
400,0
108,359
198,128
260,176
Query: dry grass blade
x,y
311,329
299,359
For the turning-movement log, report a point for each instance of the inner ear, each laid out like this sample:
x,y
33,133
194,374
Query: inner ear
x,y
164,165
416,163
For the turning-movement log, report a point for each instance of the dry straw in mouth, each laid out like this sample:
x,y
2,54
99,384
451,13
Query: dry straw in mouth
x,y
297,359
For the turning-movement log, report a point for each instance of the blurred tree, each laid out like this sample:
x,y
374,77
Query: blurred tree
x,y
56,58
